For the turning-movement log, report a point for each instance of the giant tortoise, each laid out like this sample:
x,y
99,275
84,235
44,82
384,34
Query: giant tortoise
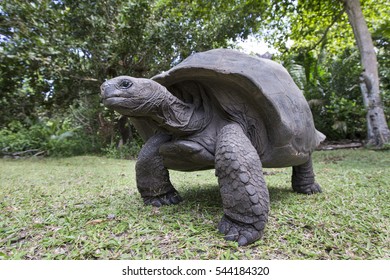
x,y
226,110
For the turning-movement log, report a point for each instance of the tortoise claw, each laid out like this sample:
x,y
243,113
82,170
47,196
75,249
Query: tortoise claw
x,y
308,189
243,234
165,199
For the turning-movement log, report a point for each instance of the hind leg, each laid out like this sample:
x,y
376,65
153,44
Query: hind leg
x,y
303,179
152,177
243,189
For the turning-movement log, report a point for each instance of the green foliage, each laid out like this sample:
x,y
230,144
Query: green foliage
x,y
35,56
193,23
295,26
126,151
347,119
331,87
18,138
53,52
53,137
317,46
382,40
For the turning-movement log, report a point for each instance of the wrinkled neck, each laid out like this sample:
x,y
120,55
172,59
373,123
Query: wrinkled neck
x,y
173,114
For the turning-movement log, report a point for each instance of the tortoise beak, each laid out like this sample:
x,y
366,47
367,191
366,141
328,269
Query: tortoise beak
x,y
103,88
108,90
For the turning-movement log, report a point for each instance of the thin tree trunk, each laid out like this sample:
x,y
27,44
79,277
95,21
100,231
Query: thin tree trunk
x,y
378,131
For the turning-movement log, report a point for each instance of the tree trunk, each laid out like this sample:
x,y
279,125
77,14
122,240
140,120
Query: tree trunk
x,y
378,131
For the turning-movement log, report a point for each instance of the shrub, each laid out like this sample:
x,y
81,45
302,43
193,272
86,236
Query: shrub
x,y
126,151
53,137
341,118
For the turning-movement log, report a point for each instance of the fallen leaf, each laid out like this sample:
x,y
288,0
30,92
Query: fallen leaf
x,y
95,222
11,208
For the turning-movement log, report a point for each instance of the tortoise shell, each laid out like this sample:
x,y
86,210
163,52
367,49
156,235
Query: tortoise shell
x,y
257,93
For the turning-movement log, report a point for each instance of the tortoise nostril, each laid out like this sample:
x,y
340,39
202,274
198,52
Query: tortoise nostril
x,y
103,88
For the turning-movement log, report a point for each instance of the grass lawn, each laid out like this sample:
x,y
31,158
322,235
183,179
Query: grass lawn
x,y
89,208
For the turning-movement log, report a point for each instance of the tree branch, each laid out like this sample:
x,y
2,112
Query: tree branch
x,y
335,19
88,79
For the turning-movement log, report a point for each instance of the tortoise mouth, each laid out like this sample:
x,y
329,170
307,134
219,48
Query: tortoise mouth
x,y
116,103
113,100
123,105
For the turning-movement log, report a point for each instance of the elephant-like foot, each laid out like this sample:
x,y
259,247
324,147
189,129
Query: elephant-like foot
x,y
303,179
308,189
165,199
243,234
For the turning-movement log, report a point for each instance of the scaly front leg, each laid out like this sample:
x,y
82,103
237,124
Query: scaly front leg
x,y
152,177
244,193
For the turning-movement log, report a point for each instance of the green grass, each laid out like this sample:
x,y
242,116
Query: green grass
x,y
89,208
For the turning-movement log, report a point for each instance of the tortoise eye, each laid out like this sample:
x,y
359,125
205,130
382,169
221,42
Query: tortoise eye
x,y
125,84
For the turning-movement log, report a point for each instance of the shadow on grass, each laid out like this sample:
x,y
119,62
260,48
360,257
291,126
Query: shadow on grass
x,y
280,194
202,200
209,195
206,195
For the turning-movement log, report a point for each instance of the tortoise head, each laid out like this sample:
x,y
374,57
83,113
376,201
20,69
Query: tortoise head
x,y
133,96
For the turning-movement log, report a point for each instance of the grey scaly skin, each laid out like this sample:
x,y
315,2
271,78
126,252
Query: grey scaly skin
x,y
302,179
152,176
244,193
